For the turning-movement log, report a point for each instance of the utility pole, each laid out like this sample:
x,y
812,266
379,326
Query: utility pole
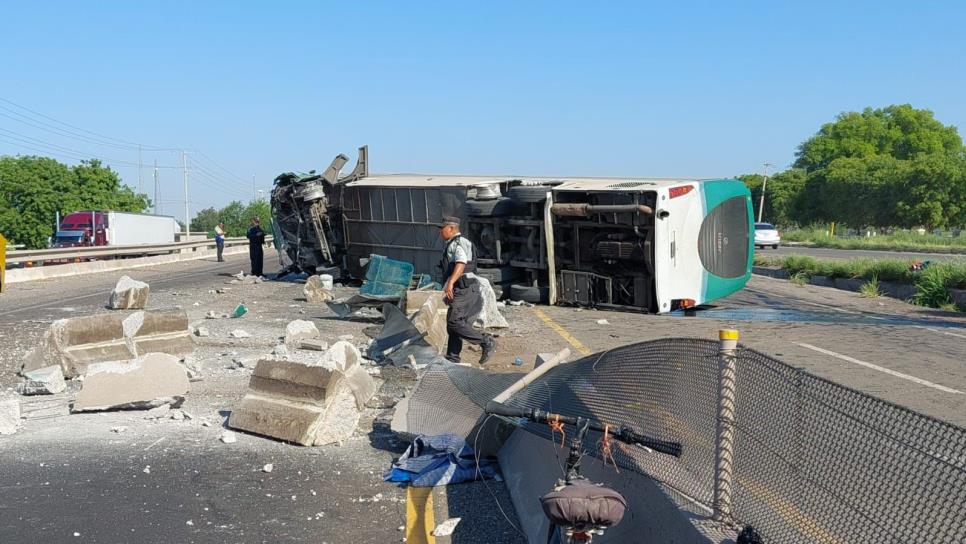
x,y
140,184
187,220
157,201
764,183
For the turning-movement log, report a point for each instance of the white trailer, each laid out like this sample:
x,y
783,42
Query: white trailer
x,y
127,229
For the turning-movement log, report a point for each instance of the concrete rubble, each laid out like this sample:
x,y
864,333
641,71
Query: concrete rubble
x,y
299,330
151,381
317,289
44,381
129,294
314,344
239,333
308,403
9,416
490,317
78,342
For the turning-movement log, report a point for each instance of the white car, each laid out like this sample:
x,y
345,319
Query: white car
x,y
766,235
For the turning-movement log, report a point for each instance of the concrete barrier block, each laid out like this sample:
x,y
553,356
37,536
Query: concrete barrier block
x,y
78,342
821,281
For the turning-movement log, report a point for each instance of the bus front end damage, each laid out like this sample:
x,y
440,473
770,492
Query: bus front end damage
x,y
306,213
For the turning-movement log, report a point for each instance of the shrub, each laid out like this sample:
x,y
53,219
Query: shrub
x,y
870,289
931,286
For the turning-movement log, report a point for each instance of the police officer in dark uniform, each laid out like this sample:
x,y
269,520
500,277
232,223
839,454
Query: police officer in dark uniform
x,y
256,238
462,293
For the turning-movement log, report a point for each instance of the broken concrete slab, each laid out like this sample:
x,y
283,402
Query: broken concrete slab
x,y
239,333
202,332
347,358
192,368
44,381
314,344
9,416
291,401
151,381
318,290
299,330
78,342
129,294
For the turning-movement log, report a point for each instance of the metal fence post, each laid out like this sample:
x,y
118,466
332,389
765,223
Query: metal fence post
x,y
725,436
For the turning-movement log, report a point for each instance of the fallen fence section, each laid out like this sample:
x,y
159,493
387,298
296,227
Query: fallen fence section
x,y
91,260
812,461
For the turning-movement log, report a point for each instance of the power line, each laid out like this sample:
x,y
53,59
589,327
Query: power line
x,y
130,145
37,142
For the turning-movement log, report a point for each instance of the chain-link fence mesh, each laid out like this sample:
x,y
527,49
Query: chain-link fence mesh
x,y
813,461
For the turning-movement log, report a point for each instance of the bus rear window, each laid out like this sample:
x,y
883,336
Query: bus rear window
x,y
723,239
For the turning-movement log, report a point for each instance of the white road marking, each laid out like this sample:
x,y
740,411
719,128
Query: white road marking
x,y
914,379
945,332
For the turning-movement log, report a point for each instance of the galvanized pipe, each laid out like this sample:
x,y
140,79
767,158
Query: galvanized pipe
x,y
724,450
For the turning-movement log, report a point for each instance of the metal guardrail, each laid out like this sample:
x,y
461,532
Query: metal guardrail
x,y
71,253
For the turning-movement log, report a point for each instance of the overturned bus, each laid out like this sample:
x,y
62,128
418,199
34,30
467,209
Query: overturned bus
x,y
651,245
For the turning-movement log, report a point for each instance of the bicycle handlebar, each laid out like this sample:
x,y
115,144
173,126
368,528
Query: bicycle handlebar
x,y
620,433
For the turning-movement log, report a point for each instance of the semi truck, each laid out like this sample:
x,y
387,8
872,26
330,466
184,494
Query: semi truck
x,y
111,228
646,244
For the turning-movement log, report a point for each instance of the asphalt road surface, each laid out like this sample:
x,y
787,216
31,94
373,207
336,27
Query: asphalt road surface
x,y
174,481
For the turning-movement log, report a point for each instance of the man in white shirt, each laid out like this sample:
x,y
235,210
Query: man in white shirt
x,y
462,293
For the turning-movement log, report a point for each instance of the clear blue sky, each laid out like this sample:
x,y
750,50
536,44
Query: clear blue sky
x,y
700,89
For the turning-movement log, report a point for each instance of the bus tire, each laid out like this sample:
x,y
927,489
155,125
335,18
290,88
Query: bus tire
x,y
488,208
526,293
529,193
503,274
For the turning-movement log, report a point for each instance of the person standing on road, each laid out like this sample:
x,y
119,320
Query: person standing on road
x,y
256,238
220,240
462,293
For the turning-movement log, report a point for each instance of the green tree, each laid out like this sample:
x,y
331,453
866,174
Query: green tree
x,y
782,194
34,189
895,166
899,131
205,220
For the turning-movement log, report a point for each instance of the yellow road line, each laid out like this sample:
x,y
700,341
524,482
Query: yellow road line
x,y
582,349
420,520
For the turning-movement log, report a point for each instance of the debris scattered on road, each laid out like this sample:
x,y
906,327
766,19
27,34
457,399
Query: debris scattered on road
x,y
151,381
192,368
228,437
603,322
178,415
317,289
147,469
268,468
159,412
9,416
118,429
239,311
280,352
129,294
314,344
447,527
202,332
239,333
299,330
490,316
215,315
44,381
